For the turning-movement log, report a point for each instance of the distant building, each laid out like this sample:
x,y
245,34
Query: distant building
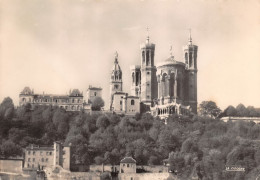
x,y
71,102
171,86
124,104
121,102
92,93
37,157
128,165
246,119
128,171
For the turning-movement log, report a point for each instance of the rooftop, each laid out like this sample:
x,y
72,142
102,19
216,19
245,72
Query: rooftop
x,y
128,160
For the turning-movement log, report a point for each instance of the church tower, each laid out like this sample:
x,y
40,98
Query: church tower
x,y
116,83
190,56
148,73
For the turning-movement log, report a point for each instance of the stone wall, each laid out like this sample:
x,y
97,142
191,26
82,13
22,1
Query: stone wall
x,y
154,169
12,166
99,168
146,176
60,174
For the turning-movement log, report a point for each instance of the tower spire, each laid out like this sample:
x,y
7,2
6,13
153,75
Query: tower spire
x,y
171,50
190,39
147,31
116,57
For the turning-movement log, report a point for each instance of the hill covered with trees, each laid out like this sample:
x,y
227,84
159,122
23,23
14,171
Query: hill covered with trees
x,y
194,146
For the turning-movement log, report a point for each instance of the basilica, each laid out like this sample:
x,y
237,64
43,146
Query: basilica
x,y
170,87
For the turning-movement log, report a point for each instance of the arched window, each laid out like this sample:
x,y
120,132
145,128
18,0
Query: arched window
x,y
186,58
133,77
190,59
95,93
143,56
132,102
147,58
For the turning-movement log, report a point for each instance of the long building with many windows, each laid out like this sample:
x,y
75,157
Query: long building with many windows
x,y
71,102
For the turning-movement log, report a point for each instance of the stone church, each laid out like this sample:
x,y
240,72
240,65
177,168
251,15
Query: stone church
x,y
170,87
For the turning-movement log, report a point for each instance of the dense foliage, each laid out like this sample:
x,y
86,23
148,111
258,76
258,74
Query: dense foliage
x,y
195,146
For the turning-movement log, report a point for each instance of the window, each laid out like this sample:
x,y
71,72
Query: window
x,y
95,93
32,165
46,159
33,152
29,159
41,153
120,102
147,58
42,159
116,86
186,58
28,165
47,153
29,152
127,165
132,102
123,165
148,73
50,153
33,159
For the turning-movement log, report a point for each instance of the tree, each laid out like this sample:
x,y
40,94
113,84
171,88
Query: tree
x,y
177,162
242,110
230,111
209,108
102,122
97,104
9,149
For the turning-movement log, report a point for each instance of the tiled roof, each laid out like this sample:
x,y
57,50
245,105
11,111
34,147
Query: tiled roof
x,y
75,92
128,160
26,90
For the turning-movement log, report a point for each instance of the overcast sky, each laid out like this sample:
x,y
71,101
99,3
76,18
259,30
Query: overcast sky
x,y
57,45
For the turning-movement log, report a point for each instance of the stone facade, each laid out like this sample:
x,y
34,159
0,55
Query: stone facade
x,y
92,93
11,165
148,73
146,176
127,165
71,102
121,102
124,104
40,157
171,86
116,82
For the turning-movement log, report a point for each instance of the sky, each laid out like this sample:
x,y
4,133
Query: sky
x,y
53,46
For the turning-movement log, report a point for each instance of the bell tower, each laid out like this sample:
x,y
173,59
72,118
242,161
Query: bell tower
x,y
190,56
148,73
116,83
